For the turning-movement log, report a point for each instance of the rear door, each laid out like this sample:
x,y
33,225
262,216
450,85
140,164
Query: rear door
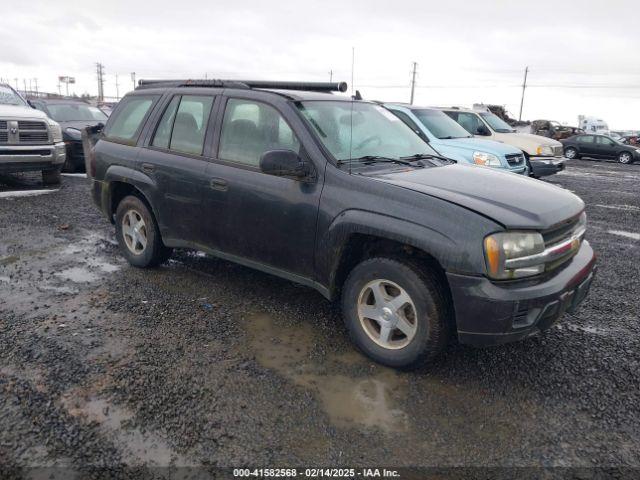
x,y
266,219
174,159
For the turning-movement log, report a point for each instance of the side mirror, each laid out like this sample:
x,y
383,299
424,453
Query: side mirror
x,y
483,130
284,163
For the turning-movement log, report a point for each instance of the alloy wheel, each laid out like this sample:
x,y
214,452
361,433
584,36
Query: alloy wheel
x,y
387,314
134,231
625,157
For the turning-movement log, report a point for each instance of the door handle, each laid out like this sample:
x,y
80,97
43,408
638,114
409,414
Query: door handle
x,y
219,184
148,167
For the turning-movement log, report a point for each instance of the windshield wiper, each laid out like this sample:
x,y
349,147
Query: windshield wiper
x,y
427,156
378,159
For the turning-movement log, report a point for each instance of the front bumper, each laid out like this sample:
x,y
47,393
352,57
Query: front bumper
x,y
545,166
22,158
491,313
75,154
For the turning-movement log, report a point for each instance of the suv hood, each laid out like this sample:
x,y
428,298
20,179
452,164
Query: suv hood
x,y
480,145
512,200
16,111
526,141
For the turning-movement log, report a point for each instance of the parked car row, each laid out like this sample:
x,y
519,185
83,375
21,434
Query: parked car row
x,y
354,199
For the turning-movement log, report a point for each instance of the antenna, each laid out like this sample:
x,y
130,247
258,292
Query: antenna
x,y
353,62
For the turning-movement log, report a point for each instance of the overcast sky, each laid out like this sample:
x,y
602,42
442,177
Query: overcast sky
x,y
467,52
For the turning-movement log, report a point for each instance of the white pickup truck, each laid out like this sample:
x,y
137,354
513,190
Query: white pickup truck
x,y
29,140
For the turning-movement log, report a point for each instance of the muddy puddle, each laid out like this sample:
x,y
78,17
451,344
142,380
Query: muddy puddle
x,y
372,401
137,448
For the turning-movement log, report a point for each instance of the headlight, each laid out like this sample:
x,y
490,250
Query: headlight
x,y
503,246
544,150
486,159
56,131
73,133
637,150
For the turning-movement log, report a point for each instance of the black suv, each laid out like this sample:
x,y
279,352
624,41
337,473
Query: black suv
x,y
340,195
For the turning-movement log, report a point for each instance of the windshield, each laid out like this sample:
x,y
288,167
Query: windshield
x,y
497,123
9,97
68,112
372,131
440,124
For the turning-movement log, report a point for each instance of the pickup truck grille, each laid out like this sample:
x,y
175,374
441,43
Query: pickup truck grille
x,y
515,159
23,132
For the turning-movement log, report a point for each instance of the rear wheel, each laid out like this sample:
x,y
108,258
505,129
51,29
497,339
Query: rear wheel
x,y
51,177
138,234
396,313
625,157
571,153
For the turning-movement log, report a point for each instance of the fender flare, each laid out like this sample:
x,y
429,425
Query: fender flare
x,y
141,182
350,222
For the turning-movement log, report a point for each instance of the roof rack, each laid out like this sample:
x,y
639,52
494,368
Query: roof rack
x,y
247,84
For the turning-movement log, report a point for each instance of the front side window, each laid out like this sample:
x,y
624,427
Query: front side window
x,y
126,124
352,130
440,125
607,142
251,128
469,121
497,123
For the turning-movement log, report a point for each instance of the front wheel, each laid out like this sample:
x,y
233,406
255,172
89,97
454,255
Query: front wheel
x,y
138,234
395,312
625,158
570,153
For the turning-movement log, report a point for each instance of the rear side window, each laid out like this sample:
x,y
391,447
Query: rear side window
x,y
585,139
127,122
183,125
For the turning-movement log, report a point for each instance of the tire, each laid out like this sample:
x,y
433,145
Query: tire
x,y
426,311
51,177
625,158
571,153
138,235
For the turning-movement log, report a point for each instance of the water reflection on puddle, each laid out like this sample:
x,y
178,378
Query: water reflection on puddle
x,y
371,401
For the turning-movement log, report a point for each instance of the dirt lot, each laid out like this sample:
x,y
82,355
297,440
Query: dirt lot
x,y
205,363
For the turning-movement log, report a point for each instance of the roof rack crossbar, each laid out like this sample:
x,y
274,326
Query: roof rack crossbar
x,y
284,85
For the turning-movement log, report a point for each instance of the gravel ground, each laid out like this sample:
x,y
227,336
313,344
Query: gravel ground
x,y
205,363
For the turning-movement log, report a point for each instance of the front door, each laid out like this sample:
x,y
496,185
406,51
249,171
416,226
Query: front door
x,y
262,218
174,160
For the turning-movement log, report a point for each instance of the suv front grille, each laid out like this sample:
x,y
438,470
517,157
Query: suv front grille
x,y
515,159
559,232
559,235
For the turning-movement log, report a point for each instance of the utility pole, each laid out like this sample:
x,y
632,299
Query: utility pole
x,y
117,89
524,86
330,76
16,83
413,81
133,79
59,87
100,74
35,80
24,82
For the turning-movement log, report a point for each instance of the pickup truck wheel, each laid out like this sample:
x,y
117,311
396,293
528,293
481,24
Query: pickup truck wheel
x,y
571,153
138,234
395,312
51,177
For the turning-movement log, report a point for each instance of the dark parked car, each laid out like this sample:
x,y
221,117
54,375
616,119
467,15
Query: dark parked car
x,y
340,195
600,146
73,116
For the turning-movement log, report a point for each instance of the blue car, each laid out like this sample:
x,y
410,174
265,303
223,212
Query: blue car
x,y
450,140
